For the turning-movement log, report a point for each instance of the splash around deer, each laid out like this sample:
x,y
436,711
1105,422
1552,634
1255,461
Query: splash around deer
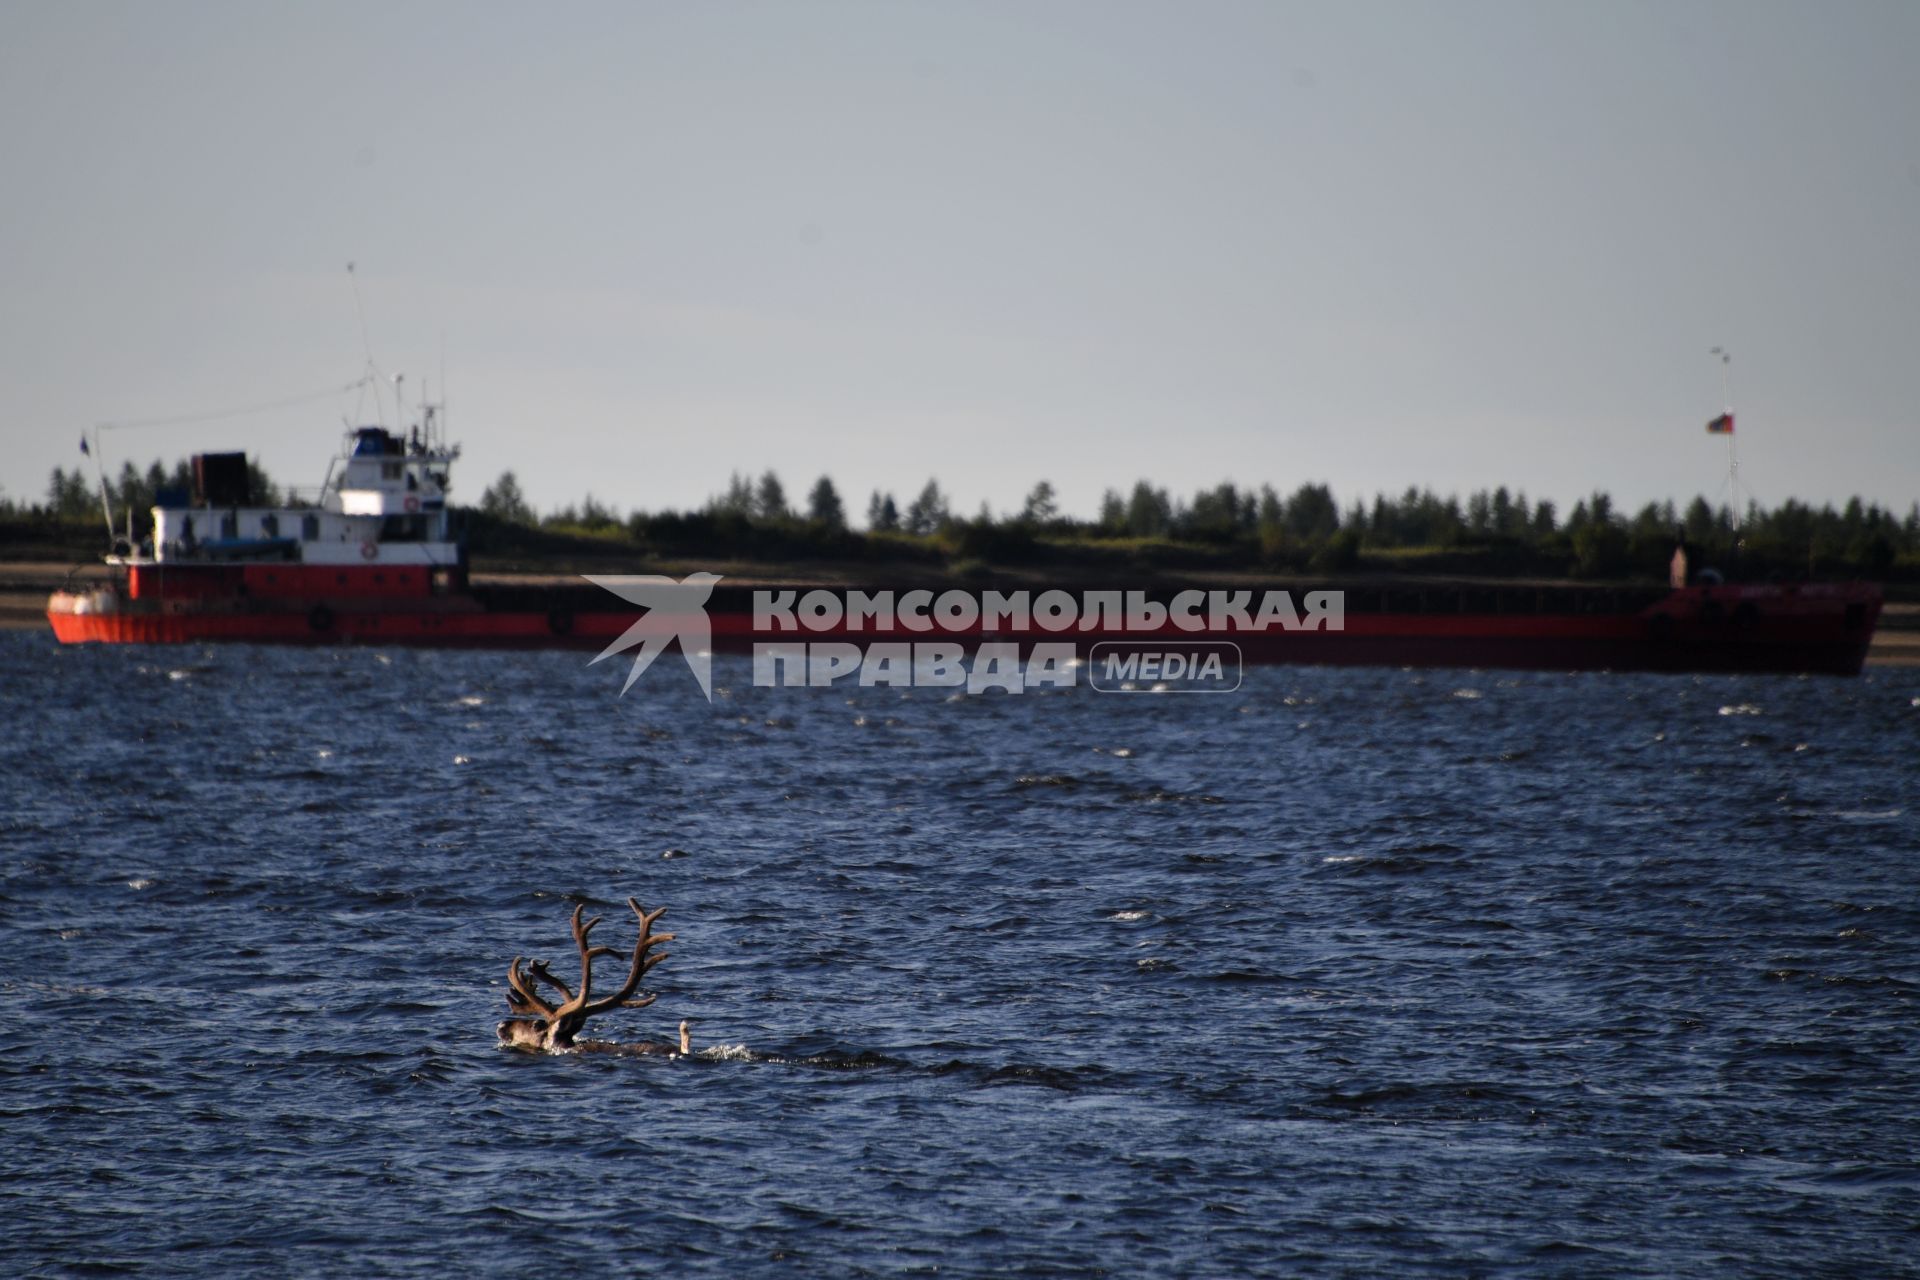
x,y
547,1026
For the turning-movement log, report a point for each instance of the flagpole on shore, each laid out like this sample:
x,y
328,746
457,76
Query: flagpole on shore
x,y
1733,459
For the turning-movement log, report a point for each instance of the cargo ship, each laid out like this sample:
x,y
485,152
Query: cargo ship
x,y
376,559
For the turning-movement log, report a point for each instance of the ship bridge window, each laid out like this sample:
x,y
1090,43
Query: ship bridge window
x,y
371,442
230,525
389,471
310,528
270,525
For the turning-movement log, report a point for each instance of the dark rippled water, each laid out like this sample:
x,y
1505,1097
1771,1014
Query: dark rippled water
x,y
1350,972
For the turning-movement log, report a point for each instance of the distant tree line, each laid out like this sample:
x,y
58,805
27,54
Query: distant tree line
x,y
73,497
1496,530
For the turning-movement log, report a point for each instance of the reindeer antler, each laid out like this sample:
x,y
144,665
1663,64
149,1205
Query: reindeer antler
x,y
555,1026
642,963
521,994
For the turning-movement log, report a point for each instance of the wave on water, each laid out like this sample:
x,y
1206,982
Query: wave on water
x,y
1062,986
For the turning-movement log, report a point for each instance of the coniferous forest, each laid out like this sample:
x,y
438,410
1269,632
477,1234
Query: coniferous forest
x,y
1496,531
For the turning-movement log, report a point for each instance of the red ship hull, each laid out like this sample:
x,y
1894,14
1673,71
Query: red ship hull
x,y
1808,628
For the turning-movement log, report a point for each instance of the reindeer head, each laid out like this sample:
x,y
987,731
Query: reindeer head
x,y
551,1027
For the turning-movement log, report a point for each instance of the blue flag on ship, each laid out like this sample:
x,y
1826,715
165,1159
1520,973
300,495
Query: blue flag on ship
x,y
83,446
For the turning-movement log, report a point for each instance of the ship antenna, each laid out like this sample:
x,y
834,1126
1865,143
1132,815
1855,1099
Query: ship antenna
x,y
366,343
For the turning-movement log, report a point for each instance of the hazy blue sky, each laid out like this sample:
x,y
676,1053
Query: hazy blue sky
x,y
1375,244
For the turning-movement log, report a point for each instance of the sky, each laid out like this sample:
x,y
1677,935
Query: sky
x,y
637,247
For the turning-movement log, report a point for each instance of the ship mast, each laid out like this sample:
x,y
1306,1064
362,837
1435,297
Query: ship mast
x,y
100,471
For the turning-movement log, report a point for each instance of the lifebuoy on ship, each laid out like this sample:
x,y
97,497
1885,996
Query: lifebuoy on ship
x,y
560,622
321,619
368,549
412,504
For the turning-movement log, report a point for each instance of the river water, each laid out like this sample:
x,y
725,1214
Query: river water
x,y
1346,972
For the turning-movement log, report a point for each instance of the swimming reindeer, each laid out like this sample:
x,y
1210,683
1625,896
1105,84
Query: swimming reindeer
x,y
553,1027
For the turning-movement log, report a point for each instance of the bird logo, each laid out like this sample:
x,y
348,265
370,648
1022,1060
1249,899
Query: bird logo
x,y
675,611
